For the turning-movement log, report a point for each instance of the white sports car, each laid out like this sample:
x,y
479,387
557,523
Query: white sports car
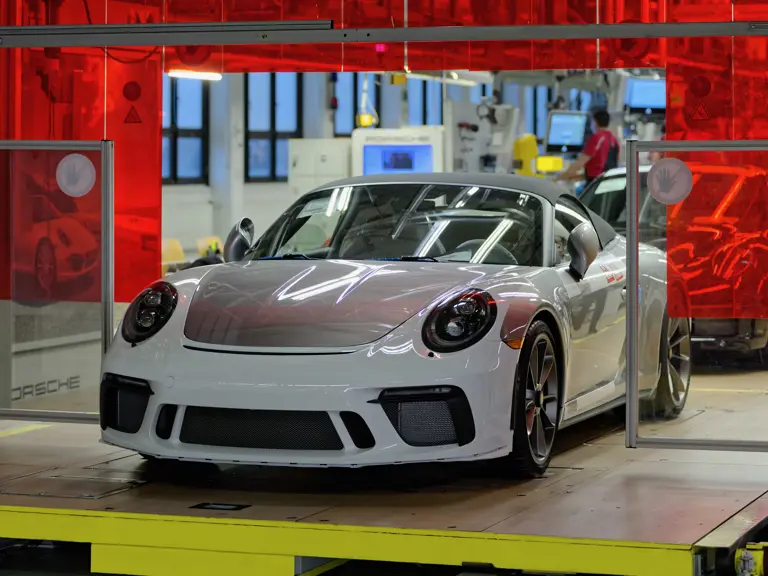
x,y
394,319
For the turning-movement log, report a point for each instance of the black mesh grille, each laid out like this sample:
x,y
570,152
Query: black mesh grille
x,y
422,423
260,429
123,403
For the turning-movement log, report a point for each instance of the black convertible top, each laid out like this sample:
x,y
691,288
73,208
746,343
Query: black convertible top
x,y
544,189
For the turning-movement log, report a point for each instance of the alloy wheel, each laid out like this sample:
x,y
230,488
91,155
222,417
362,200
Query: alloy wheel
x,y
678,359
541,389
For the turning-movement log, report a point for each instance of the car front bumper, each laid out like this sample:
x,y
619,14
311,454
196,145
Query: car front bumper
x,y
357,409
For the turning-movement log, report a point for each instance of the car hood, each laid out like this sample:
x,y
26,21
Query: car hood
x,y
314,303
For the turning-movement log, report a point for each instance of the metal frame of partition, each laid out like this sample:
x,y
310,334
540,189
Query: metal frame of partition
x,y
106,149
323,32
632,437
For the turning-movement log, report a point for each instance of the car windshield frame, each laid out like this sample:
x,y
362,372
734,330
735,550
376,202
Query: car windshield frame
x,y
383,220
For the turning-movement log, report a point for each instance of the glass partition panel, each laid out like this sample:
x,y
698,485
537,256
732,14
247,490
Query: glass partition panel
x,y
56,289
697,232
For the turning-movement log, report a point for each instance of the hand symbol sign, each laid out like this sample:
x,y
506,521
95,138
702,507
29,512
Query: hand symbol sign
x,y
670,181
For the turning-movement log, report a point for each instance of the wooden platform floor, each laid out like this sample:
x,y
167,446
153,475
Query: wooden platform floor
x,y
596,488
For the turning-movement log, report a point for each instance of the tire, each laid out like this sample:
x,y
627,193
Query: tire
x,y
675,374
45,266
535,404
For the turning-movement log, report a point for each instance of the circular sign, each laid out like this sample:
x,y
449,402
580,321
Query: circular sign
x,y
75,175
670,181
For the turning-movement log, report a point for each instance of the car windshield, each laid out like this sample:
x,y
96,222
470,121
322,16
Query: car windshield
x,y
450,223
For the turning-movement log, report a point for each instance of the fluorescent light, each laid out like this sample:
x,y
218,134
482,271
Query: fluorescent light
x,y
193,75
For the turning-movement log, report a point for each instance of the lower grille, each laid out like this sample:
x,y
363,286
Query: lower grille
x,y
714,328
123,403
429,419
259,429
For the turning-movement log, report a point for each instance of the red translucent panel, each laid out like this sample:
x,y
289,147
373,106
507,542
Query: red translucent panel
x,y
469,12
564,54
700,107
54,219
133,121
750,86
699,10
632,52
314,58
720,238
5,225
746,10
438,56
373,13
501,55
194,58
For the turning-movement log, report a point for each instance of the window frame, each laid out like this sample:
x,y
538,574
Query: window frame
x,y
174,133
356,101
272,135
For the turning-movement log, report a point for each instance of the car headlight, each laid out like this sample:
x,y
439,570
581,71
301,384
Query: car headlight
x,y
149,312
459,322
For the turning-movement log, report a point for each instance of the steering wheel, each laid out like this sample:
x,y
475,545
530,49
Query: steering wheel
x,y
497,254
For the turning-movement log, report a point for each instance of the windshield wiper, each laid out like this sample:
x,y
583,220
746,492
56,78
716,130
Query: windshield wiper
x,y
289,257
418,259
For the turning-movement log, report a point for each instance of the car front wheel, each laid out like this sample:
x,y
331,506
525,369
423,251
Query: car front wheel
x,y
536,403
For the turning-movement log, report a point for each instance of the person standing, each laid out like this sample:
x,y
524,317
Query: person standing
x,y
601,152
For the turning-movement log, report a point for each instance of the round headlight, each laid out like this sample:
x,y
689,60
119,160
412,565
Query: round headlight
x,y
459,322
149,312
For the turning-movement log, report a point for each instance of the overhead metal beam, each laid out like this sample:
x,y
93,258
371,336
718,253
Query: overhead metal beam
x,y
323,32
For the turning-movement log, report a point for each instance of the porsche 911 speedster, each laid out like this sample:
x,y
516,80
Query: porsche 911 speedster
x,y
394,319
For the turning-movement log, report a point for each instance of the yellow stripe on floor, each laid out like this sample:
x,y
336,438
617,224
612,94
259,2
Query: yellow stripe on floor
x,y
23,429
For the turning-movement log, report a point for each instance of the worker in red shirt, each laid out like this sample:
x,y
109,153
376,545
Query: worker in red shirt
x,y
600,153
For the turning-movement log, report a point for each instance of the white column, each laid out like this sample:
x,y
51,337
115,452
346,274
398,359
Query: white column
x,y
317,116
227,151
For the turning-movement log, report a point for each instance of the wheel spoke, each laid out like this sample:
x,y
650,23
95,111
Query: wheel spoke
x,y
674,324
533,365
677,382
541,439
546,368
681,357
546,420
678,339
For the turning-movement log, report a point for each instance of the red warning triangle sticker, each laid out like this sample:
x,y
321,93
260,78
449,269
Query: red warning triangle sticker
x,y
133,116
700,113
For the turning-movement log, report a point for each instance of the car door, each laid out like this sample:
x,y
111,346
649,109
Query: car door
x,y
597,313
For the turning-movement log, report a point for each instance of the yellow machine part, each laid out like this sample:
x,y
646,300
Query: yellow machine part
x,y
750,561
549,164
173,253
365,120
209,244
524,155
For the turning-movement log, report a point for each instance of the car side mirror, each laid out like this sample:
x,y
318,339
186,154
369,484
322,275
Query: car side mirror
x,y
583,247
238,242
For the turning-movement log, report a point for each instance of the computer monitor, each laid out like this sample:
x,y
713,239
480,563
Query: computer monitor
x,y
566,132
646,96
397,158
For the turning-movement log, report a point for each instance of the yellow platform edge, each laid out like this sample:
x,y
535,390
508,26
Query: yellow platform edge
x,y
125,543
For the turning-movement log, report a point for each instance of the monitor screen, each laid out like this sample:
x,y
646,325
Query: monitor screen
x,y
566,131
396,159
647,96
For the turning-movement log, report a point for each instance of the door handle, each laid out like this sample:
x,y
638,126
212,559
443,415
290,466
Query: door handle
x,y
624,293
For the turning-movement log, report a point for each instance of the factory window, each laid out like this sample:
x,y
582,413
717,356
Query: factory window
x,y
510,94
349,90
425,102
455,92
185,130
272,117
